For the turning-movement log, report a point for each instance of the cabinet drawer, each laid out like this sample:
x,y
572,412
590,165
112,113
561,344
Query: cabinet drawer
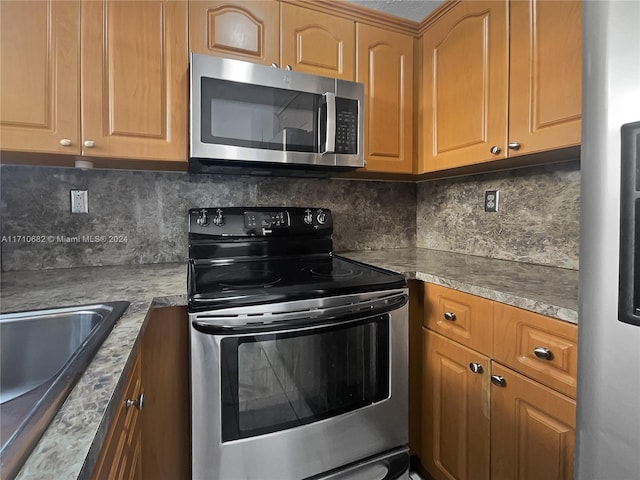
x,y
119,457
540,347
459,316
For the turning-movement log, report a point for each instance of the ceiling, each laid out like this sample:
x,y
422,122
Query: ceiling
x,y
415,10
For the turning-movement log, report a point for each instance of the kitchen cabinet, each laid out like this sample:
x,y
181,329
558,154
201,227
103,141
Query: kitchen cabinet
x,y
384,63
120,456
40,76
500,79
317,43
105,80
244,30
491,406
134,79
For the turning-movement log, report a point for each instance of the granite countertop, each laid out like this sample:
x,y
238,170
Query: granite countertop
x,y
68,441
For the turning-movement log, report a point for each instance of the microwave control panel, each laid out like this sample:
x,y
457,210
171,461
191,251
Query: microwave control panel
x,y
346,126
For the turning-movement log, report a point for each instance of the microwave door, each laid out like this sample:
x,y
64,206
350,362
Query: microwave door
x,y
327,123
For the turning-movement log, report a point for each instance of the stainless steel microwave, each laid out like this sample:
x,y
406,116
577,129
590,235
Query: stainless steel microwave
x,y
254,119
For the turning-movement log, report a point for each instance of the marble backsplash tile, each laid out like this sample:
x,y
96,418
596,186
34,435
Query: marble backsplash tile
x,y
145,213
537,222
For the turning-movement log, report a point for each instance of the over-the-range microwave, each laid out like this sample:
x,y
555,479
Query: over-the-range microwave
x,y
254,119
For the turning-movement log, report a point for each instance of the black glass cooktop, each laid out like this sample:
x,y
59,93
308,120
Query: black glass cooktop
x,y
221,285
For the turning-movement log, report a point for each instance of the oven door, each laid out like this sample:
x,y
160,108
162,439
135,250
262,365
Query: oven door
x,y
274,402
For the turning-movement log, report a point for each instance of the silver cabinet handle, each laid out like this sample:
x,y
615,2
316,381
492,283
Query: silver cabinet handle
x,y
495,150
65,142
450,316
498,381
274,65
139,403
513,146
475,367
288,67
89,143
543,353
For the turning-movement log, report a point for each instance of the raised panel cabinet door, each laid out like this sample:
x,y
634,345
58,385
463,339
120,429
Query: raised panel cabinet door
x,y
134,79
464,87
317,43
532,429
455,410
384,63
40,76
244,30
544,75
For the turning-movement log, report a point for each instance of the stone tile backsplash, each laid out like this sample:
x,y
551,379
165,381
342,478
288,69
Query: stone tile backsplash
x,y
537,221
138,217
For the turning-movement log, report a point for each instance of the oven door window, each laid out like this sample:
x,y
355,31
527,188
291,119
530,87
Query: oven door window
x,y
278,381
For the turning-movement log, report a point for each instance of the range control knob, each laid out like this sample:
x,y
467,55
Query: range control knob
x,y
308,217
202,219
218,219
321,217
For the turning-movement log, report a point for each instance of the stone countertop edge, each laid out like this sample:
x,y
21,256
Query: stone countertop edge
x,y
70,446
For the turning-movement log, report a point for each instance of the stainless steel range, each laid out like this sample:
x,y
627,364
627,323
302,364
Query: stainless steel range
x,y
298,356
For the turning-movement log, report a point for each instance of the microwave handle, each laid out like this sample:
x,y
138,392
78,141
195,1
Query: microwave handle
x,y
330,138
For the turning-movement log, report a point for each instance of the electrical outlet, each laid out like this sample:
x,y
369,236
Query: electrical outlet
x,y
79,201
491,198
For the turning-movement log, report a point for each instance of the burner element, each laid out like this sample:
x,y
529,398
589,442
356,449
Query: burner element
x,y
331,271
237,276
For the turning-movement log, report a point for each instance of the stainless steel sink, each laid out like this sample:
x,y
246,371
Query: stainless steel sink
x,y
42,355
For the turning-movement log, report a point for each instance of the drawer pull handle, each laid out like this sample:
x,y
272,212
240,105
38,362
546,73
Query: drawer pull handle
x,y
475,367
139,403
498,381
450,316
543,353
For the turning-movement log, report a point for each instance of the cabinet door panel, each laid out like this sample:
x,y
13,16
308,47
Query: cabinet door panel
x,y
532,430
242,30
385,66
464,86
545,75
317,43
39,76
134,79
455,414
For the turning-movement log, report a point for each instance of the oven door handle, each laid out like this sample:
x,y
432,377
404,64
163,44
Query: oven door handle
x,y
331,316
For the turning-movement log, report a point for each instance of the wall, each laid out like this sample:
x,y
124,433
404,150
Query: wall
x,y
537,222
148,211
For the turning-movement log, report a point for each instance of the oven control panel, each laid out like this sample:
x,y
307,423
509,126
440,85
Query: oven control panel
x,y
260,221
266,219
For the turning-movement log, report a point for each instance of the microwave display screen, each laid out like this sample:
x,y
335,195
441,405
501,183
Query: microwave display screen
x,y
255,116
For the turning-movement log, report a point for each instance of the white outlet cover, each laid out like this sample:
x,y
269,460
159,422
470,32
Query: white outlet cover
x,y
79,201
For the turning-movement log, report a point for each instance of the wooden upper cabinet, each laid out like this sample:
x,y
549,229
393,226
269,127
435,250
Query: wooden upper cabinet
x,y
385,65
544,75
317,43
244,30
39,76
464,86
532,429
134,79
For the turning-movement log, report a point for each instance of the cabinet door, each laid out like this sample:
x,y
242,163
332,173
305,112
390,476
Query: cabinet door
x,y
455,410
544,75
245,30
317,43
385,66
40,76
134,79
120,456
532,429
464,86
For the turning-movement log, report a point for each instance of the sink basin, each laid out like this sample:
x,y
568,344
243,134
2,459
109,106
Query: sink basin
x,y
42,355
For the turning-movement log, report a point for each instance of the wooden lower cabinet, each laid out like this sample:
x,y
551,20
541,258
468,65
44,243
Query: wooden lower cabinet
x,y
455,415
151,438
481,419
532,429
120,456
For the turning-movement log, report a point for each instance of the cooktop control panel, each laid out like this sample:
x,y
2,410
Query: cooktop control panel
x,y
266,219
